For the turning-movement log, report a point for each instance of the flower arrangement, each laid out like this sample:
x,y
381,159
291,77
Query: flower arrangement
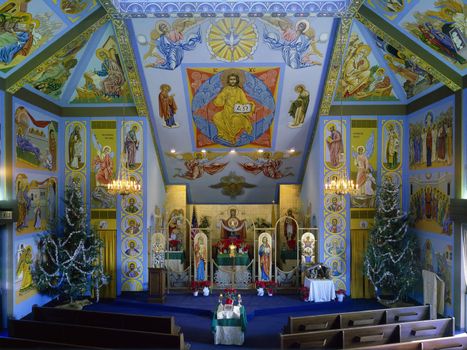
x,y
340,295
223,245
230,295
260,284
271,287
196,285
205,284
340,291
305,293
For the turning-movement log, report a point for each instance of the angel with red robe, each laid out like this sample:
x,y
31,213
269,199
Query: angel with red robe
x,y
268,163
198,163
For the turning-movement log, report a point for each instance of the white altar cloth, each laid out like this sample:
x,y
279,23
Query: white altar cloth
x,y
320,290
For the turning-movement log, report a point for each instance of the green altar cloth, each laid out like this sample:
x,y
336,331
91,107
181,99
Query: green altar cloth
x,y
226,260
175,256
230,322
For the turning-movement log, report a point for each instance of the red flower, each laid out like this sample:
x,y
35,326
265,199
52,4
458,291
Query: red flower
x,y
260,284
340,291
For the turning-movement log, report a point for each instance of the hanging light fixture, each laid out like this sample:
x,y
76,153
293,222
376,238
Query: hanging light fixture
x,y
340,184
123,185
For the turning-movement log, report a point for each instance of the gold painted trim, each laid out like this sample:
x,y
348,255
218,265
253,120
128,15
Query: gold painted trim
x,y
408,53
336,61
26,79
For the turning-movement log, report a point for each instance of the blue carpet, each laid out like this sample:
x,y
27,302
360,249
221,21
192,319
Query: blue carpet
x,y
266,315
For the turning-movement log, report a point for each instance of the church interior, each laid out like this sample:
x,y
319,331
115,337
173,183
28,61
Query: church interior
x,y
278,160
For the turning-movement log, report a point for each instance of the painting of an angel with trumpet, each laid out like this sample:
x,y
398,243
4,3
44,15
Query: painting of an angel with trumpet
x,y
198,163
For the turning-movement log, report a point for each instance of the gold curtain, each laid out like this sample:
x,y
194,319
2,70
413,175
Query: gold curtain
x,y
110,262
360,285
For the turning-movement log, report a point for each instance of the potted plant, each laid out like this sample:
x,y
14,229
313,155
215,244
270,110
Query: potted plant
x,y
260,286
340,295
305,293
195,288
206,285
271,288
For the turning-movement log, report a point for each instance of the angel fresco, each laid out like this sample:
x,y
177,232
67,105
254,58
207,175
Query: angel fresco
x,y
232,185
168,43
73,7
103,167
198,163
296,41
365,173
268,163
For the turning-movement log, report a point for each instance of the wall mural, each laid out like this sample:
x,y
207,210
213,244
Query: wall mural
x,y
37,202
439,24
103,162
232,185
363,167
391,152
297,41
51,80
267,163
76,9
430,195
132,207
167,107
27,25
198,163
388,7
334,223
104,79
410,76
2,149
36,140
363,78
233,107
431,138
299,106
25,256
169,42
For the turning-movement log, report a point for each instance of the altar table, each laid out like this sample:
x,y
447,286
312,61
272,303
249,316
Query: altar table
x,y
226,260
320,290
229,326
174,260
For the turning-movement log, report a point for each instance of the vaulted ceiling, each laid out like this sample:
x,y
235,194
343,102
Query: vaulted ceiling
x,y
232,89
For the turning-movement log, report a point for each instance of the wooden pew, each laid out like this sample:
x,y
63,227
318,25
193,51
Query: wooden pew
x,y
164,324
369,336
457,342
93,336
357,319
327,339
19,343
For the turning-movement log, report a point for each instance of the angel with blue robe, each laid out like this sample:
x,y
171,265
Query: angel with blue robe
x,y
168,44
365,179
297,42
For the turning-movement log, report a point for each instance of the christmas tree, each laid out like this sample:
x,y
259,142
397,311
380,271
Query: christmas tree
x,y
70,262
390,262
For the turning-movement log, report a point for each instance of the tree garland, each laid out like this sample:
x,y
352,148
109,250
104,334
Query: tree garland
x,y
70,263
390,261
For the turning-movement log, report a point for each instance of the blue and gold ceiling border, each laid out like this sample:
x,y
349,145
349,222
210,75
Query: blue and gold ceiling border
x,y
161,8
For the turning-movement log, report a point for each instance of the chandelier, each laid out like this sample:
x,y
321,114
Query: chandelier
x,y
340,184
123,185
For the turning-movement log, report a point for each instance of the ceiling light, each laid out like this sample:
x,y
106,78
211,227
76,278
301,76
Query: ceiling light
x,y
292,150
260,150
203,151
233,151
172,150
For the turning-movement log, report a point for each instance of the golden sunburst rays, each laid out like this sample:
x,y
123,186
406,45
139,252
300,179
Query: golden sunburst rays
x,y
232,39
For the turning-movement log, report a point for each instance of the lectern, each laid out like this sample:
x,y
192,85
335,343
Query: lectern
x,y
157,278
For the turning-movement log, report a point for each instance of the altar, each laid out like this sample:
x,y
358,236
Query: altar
x,y
229,324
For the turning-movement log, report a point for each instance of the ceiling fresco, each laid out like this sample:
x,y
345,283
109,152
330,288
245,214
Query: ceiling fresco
x,y
232,89
244,90
89,72
31,26
437,25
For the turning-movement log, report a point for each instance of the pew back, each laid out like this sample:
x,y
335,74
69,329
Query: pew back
x,y
18,343
93,336
358,319
106,319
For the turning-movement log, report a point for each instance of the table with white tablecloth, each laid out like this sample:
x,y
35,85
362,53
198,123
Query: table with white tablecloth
x,y
320,290
229,325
